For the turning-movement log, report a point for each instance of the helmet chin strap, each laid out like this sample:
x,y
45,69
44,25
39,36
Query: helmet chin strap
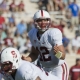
x,y
41,30
46,28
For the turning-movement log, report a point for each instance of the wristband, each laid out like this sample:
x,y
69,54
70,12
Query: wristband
x,y
58,54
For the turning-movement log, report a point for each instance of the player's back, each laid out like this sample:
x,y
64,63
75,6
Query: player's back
x,y
28,71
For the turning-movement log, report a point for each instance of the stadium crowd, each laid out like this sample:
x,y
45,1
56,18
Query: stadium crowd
x,y
13,32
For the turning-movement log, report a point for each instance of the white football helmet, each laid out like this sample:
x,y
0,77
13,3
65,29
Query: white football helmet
x,y
10,56
42,20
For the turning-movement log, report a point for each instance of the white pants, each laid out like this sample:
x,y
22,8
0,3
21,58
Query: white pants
x,y
61,72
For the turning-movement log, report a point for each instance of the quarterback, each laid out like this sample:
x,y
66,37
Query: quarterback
x,y
47,46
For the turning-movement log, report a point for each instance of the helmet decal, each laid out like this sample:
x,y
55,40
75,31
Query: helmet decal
x,y
12,56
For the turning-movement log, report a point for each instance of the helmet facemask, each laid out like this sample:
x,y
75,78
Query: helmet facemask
x,y
6,67
42,24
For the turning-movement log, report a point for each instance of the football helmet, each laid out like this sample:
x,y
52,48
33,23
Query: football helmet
x,y
10,59
42,20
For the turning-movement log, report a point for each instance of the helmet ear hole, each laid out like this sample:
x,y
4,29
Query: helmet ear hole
x,y
17,61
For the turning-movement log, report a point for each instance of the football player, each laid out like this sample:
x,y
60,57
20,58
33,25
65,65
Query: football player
x,y
47,45
13,68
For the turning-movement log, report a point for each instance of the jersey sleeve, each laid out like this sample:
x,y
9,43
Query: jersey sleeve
x,y
56,37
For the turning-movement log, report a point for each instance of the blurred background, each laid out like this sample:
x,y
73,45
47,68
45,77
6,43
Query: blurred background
x,y
16,21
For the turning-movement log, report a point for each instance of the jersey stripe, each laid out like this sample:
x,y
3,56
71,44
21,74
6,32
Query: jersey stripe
x,y
65,72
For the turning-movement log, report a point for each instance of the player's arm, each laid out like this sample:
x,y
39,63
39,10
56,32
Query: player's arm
x,y
59,51
58,48
33,55
38,78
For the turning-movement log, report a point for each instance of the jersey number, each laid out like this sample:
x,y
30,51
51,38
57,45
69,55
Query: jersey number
x,y
44,56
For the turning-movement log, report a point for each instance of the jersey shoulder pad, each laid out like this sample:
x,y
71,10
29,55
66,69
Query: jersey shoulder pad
x,y
54,31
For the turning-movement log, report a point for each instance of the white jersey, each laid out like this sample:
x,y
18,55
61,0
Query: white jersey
x,y
45,45
28,71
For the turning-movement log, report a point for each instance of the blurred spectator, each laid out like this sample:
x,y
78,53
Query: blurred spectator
x,y
12,19
20,39
58,5
75,44
2,33
3,5
30,25
17,39
21,6
78,51
12,6
16,9
26,47
59,26
21,27
65,2
66,41
75,71
12,29
2,19
74,8
43,4
62,24
8,41
2,36
50,6
68,16
2,46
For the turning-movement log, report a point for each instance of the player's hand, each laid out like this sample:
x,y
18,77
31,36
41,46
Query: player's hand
x,y
23,57
56,49
26,58
57,52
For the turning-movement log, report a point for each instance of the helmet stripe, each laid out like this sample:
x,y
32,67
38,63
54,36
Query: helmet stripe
x,y
42,13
